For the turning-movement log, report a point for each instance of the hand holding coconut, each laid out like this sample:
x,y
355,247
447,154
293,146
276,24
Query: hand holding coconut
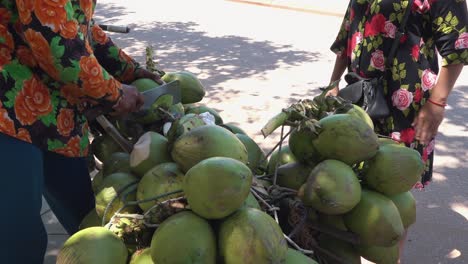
x,y
145,74
130,101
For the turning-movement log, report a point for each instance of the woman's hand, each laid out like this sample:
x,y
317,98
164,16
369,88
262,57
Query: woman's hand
x,y
427,121
334,91
143,73
130,101
432,113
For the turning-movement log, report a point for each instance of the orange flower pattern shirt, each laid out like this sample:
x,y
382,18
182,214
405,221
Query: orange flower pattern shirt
x,y
54,62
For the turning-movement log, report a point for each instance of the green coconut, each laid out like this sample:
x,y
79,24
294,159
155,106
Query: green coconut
x,y
192,90
117,162
380,255
301,145
331,188
339,248
395,169
163,178
293,175
177,110
358,112
251,236
296,257
94,245
184,238
333,221
103,146
281,157
153,114
144,84
183,125
205,142
128,127
199,109
376,220
164,101
235,129
142,256
150,150
115,188
406,205
251,202
256,156
385,141
91,219
97,181
346,138
218,186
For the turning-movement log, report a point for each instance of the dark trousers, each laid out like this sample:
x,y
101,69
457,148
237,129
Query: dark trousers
x,y
26,174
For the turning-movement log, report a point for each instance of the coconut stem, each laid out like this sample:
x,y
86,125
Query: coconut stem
x,y
277,121
153,198
119,192
145,215
275,176
304,251
277,145
270,207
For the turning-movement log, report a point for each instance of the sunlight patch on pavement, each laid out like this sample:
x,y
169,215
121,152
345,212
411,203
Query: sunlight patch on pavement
x,y
455,253
460,209
448,162
433,206
452,130
437,177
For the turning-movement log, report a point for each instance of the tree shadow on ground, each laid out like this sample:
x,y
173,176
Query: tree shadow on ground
x,y
179,46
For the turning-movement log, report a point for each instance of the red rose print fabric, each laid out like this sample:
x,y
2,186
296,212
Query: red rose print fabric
x,y
434,27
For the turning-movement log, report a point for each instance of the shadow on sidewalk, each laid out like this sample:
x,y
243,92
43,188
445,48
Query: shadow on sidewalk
x,y
179,46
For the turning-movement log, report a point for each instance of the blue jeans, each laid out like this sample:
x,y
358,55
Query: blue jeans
x,y
26,174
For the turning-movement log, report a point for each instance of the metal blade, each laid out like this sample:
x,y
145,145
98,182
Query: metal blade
x,y
114,133
150,96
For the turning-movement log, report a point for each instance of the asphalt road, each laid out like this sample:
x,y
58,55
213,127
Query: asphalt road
x,y
254,60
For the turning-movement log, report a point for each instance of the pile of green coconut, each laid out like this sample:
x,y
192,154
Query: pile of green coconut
x,y
344,192
195,189
182,195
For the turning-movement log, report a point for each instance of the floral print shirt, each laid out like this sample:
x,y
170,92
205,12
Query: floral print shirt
x,y
54,62
434,27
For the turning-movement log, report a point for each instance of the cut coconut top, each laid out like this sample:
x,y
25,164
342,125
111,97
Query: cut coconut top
x,y
141,150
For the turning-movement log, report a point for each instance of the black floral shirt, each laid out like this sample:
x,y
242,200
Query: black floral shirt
x,y
434,27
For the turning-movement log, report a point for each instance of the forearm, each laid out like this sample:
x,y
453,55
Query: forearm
x,y
341,64
111,57
447,77
64,54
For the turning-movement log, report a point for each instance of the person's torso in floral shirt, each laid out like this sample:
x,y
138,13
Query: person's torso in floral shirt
x,y
366,35
53,63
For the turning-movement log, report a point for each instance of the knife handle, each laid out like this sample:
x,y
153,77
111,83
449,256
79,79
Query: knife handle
x,y
114,133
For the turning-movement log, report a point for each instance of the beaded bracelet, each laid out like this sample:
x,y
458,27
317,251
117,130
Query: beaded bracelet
x,y
435,103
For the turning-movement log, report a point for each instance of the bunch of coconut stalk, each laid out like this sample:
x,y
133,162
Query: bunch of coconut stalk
x,y
342,191
185,193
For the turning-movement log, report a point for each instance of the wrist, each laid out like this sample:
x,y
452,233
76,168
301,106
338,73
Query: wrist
x,y
442,104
